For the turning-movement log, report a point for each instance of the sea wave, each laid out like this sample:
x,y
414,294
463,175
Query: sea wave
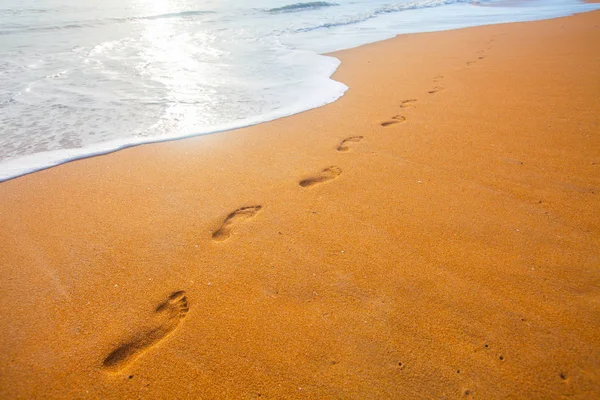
x,y
102,22
390,8
45,28
302,6
18,12
182,14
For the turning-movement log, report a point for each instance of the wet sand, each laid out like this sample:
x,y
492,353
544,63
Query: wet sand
x,y
433,234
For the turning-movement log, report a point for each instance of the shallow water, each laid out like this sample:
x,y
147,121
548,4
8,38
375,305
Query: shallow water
x,y
83,78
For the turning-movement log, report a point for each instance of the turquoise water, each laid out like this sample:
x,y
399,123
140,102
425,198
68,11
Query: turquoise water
x,y
79,78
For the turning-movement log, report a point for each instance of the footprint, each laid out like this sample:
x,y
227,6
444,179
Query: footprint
x,y
344,145
468,63
438,78
238,215
395,120
327,174
408,103
168,314
436,90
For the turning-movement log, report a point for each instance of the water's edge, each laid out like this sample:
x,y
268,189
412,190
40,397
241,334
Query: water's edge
x,y
39,163
13,169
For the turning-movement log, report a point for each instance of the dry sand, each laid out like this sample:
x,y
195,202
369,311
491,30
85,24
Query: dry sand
x,y
453,253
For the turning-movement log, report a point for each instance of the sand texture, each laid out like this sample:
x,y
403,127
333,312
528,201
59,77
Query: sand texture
x,y
434,234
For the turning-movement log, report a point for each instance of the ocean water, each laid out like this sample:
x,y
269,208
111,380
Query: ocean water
x,y
80,78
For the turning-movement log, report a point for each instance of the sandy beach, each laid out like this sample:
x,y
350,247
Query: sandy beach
x,y
434,234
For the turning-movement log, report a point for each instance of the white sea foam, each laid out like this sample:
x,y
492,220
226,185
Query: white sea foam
x,y
79,79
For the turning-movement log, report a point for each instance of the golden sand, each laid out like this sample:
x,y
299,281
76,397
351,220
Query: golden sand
x,y
435,233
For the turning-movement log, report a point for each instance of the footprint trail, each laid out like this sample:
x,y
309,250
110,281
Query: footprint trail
x,y
395,120
408,103
436,89
325,175
344,145
168,314
239,215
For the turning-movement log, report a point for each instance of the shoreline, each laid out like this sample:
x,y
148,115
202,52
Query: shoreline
x,y
432,233
13,168
112,146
